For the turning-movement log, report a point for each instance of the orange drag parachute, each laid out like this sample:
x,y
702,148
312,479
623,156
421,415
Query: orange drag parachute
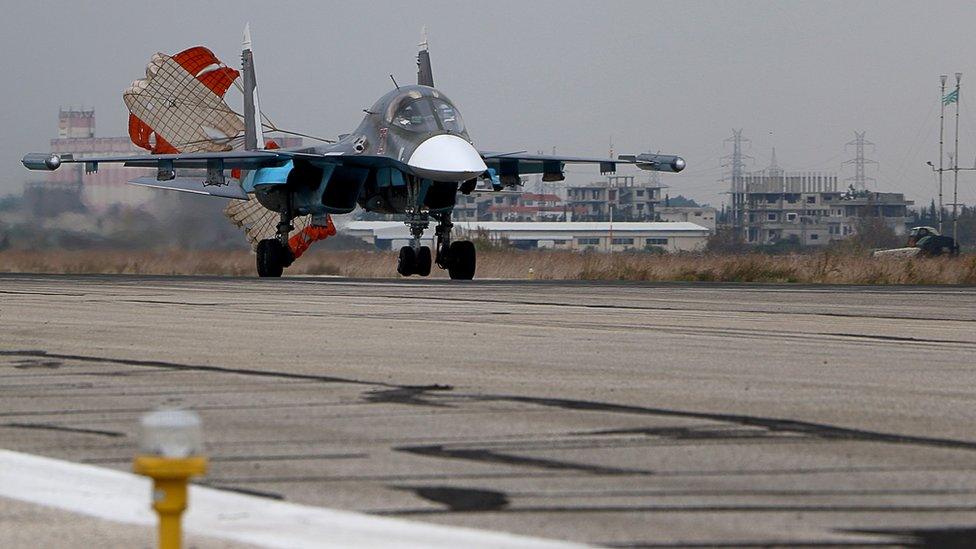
x,y
180,107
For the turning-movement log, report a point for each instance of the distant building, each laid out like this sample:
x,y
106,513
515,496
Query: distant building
x,y
621,196
76,135
597,236
510,206
773,205
701,215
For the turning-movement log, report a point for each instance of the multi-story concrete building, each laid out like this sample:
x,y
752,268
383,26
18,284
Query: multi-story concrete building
x,y
627,198
773,205
511,206
701,215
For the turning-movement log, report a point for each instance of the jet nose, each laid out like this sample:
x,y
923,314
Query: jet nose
x,y
446,158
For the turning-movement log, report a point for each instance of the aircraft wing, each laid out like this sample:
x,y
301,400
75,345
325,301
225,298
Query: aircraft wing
x,y
508,166
214,183
228,160
248,160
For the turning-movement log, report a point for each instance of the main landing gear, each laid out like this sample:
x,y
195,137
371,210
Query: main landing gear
x,y
457,257
274,254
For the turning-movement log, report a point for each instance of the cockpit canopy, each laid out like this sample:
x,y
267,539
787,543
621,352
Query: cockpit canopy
x,y
424,113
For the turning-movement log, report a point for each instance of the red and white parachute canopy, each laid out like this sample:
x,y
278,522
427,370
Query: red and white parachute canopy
x,y
180,107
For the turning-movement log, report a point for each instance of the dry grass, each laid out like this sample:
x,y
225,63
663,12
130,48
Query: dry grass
x,y
817,268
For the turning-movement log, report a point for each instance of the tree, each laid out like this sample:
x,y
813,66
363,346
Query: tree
x,y
872,232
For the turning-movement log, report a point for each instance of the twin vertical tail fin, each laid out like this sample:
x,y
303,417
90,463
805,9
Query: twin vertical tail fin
x,y
253,133
424,75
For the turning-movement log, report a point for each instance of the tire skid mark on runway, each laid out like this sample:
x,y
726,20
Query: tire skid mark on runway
x,y
408,394
888,338
773,424
677,493
745,508
618,306
484,318
246,491
193,367
549,474
819,430
460,499
489,456
808,543
945,537
63,429
245,458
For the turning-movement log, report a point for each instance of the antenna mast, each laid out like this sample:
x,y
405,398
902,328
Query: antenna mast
x,y
955,169
943,79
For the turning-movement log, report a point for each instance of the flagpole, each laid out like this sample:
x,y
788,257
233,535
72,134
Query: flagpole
x,y
941,141
955,176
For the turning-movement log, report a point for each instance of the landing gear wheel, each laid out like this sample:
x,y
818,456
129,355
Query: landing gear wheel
x,y
461,260
407,261
273,257
422,265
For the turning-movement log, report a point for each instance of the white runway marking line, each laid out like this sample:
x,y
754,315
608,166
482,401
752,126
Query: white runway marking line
x,y
124,497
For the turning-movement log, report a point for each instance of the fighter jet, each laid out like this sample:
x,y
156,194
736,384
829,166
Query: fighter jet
x,y
410,155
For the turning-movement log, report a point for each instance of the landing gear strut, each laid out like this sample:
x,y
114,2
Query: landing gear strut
x,y
274,254
457,257
415,259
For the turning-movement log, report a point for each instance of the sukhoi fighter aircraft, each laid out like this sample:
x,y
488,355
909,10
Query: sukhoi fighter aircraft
x,y
410,156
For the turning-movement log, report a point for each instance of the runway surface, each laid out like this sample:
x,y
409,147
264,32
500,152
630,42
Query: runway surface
x,y
629,415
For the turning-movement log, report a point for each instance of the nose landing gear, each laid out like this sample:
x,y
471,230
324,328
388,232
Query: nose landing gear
x,y
459,258
414,262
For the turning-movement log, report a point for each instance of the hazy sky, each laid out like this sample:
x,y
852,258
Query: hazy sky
x,y
673,77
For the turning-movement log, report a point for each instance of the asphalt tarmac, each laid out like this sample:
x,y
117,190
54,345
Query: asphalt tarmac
x,y
629,415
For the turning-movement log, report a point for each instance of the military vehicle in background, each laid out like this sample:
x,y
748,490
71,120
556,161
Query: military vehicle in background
x,y
923,242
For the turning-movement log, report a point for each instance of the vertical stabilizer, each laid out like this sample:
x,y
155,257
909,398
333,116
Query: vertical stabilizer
x,y
424,75
253,133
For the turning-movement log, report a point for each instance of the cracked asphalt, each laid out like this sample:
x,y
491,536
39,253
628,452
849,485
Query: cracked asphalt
x,y
620,414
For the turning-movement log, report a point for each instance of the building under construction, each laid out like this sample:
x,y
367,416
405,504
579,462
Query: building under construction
x,y
810,208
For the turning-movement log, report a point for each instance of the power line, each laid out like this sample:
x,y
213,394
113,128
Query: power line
x,y
859,161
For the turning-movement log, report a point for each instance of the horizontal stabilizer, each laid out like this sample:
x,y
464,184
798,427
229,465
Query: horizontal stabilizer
x,y
193,185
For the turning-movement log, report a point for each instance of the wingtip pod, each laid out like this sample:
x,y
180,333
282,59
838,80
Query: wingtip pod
x,y
246,45
41,161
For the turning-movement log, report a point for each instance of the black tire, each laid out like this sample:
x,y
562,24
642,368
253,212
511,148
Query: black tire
x,y
462,260
422,265
407,261
270,259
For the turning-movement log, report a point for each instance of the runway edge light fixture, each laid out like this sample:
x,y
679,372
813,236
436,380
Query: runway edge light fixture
x,y
171,444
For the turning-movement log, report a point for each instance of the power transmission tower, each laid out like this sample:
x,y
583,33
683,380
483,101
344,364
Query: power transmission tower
x,y
736,163
860,179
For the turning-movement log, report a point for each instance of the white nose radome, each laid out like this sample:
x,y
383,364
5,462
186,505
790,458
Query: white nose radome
x,y
446,158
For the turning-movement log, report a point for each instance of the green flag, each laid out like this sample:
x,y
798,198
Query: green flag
x,y
951,97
